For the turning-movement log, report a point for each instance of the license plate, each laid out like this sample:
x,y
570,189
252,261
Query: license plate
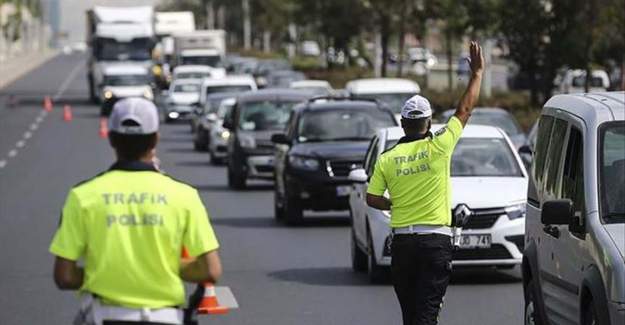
x,y
475,241
343,190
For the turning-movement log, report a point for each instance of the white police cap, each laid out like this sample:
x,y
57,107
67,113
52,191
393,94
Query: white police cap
x,y
416,107
134,116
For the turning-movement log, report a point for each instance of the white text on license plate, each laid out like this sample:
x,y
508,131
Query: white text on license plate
x,y
343,190
475,241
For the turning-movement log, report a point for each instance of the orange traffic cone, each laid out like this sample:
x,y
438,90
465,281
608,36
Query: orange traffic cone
x,y
209,304
47,104
67,113
104,129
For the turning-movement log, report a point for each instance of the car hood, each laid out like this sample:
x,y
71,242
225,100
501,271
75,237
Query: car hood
x,y
488,192
617,233
128,91
332,149
184,98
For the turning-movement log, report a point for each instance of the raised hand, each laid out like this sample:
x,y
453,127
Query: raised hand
x,y
476,60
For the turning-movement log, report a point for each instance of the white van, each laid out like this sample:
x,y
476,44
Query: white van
x,y
227,84
391,91
574,258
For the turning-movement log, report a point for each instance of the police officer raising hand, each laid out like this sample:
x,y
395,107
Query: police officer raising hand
x,y
416,174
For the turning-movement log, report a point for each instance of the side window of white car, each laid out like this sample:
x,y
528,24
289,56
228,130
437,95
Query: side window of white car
x,y
553,170
371,157
573,173
542,143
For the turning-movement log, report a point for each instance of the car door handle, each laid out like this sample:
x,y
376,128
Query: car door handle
x,y
552,231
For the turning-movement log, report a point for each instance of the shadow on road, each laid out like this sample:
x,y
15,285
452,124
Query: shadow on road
x,y
330,276
270,222
174,140
477,276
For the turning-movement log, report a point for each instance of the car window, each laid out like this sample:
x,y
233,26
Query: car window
x,y
612,172
342,124
371,156
265,115
545,126
187,88
227,89
192,75
553,161
484,157
573,172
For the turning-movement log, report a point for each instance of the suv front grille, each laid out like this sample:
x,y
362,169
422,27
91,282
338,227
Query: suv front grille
x,y
495,252
342,168
484,218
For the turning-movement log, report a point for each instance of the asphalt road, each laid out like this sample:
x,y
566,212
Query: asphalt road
x,y
280,275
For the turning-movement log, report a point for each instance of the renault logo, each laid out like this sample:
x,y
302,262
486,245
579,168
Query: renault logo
x,y
461,215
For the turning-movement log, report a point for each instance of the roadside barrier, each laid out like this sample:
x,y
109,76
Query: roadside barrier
x,y
104,128
67,113
47,104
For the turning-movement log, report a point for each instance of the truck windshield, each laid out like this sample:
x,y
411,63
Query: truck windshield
x,y
211,61
612,172
265,115
126,80
342,124
111,50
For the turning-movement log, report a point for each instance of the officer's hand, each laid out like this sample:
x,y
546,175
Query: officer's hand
x,y
476,60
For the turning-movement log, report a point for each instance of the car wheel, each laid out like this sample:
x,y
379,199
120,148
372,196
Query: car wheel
x,y
359,258
293,211
590,314
235,180
374,271
531,311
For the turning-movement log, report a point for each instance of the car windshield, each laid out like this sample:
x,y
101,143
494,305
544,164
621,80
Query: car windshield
x,y
580,82
192,75
612,172
126,80
498,119
484,157
227,89
187,88
211,61
265,115
342,124
112,50
393,101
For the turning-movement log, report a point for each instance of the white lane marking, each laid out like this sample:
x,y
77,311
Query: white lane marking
x,y
28,134
20,144
3,163
68,80
34,126
12,153
39,119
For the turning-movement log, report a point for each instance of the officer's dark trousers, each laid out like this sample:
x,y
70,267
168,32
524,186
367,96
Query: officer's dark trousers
x,y
421,266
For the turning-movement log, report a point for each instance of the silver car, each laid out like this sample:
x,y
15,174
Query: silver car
x,y
218,135
573,264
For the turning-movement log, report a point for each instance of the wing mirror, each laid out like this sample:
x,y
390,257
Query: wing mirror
x,y
358,175
280,138
525,149
557,212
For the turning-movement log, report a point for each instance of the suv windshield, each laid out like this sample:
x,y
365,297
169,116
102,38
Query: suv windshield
x,y
187,88
127,80
612,172
192,75
342,124
484,157
393,101
265,115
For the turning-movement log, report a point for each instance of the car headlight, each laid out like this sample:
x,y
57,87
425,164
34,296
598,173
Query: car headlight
x,y
247,141
516,211
108,94
225,134
304,162
148,94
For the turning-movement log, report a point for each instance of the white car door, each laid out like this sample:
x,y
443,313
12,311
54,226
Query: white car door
x,y
359,206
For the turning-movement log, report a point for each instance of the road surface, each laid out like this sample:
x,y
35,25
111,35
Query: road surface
x,y
280,275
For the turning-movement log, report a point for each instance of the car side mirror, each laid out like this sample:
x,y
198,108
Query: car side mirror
x,y
280,138
525,149
557,212
358,175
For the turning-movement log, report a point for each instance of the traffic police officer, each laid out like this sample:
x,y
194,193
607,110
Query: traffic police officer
x,y
129,225
416,174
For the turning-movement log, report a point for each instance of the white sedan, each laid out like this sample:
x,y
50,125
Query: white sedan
x,y
487,175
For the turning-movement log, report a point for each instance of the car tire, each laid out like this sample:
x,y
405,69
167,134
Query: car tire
x,y
235,180
531,316
359,258
375,272
293,212
589,316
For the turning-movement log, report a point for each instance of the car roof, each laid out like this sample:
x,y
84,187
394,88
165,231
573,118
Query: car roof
x,y
191,68
124,69
470,131
229,80
382,85
593,108
310,83
275,94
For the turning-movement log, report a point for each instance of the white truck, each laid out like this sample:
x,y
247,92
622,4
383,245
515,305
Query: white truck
x,y
117,34
167,24
201,47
